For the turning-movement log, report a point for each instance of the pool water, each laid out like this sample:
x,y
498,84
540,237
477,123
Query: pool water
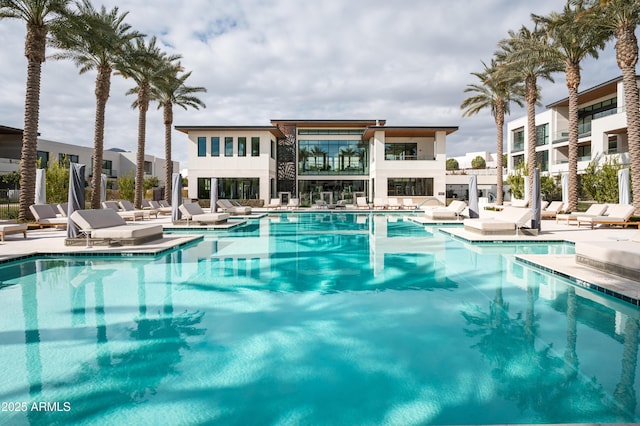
x,y
329,319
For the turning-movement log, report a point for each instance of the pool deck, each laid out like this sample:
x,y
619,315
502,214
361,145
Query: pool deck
x,y
50,241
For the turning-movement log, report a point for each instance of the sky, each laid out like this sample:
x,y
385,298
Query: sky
x,y
405,61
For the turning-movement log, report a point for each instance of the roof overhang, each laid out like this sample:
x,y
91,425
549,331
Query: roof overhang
x,y
591,94
271,129
6,130
408,131
328,123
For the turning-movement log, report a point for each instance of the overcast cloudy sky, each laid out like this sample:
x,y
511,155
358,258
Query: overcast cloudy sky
x,y
406,61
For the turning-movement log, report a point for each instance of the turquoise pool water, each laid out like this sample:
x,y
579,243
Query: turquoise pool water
x,y
331,319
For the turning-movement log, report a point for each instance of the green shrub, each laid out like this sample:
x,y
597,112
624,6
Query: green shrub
x,y
126,186
478,163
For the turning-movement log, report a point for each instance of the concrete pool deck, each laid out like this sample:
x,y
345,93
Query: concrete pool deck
x,y
50,241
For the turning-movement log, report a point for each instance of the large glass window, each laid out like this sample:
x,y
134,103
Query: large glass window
x,y
242,147
518,140
215,146
312,190
329,132
43,159
400,151
542,160
410,187
542,134
202,146
584,152
255,147
107,167
332,157
66,159
230,188
228,146
273,149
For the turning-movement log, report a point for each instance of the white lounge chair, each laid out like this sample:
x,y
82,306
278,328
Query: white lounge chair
x,y
63,208
450,212
275,203
407,203
617,214
109,226
10,227
132,215
127,206
379,203
47,215
194,213
506,222
552,210
228,207
293,203
361,203
393,203
161,210
519,203
616,257
593,210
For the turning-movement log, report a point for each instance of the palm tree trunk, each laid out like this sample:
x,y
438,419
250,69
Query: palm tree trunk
x,y
103,86
499,149
35,46
573,82
531,96
627,57
143,106
168,121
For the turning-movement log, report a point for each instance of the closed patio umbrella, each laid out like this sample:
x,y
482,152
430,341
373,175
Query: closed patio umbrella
x,y
103,187
536,202
41,187
564,181
474,210
214,194
76,196
623,187
176,196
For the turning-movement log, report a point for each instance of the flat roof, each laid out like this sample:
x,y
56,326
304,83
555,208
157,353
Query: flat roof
x,y
272,129
6,130
408,131
592,93
328,123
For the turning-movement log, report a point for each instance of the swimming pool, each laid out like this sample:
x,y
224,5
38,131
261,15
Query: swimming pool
x,y
313,319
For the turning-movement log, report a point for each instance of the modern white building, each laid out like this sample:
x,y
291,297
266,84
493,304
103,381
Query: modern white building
x,y
602,130
312,159
115,162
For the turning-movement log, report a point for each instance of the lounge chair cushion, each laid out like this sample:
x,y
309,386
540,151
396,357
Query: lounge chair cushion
x,y
593,210
452,211
228,207
505,222
106,223
615,213
193,211
617,257
46,214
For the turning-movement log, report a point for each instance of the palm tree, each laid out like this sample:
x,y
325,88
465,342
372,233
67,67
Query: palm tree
x,y
574,38
494,93
145,64
95,40
37,14
528,57
620,18
169,92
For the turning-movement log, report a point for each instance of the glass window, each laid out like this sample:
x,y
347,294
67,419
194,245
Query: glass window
x,y
230,188
409,187
242,147
66,159
107,167
215,146
228,146
43,159
202,146
273,149
400,151
518,140
542,160
148,168
332,157
542,134
255,147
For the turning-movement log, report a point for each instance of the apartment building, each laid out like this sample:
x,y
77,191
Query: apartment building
x,y
115,163
602,130
312,159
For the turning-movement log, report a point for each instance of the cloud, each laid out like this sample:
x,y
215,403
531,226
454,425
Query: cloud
x,y
406,61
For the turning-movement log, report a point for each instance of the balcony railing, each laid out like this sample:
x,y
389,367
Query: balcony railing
x,y
404,157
